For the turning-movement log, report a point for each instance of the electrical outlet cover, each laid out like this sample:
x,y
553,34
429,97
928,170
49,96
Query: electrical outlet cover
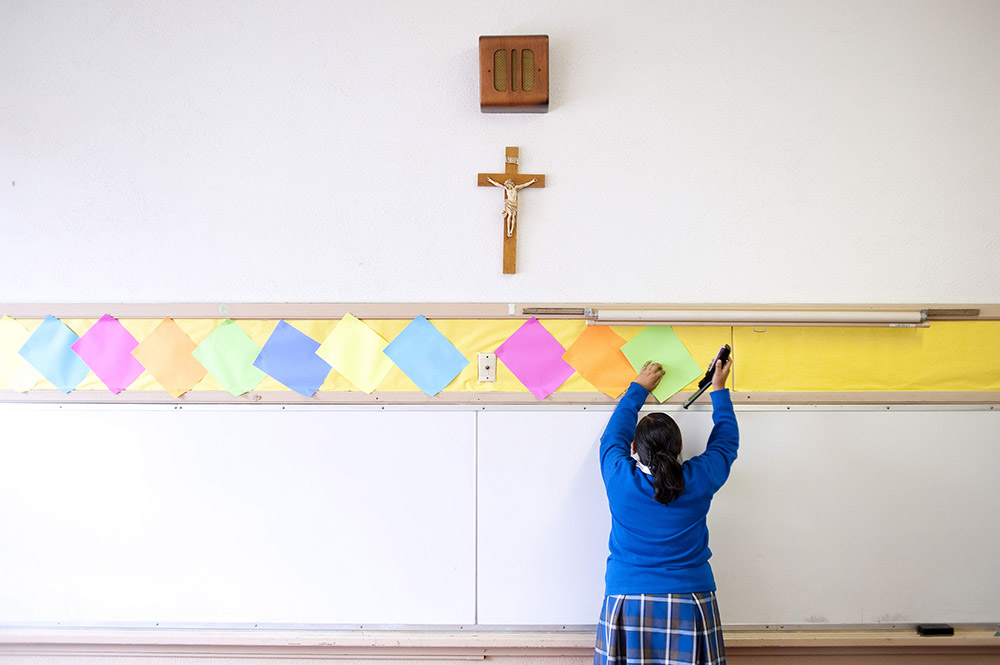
x,y
487,367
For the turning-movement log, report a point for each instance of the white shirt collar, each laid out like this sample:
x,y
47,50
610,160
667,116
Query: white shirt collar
x,y
642,467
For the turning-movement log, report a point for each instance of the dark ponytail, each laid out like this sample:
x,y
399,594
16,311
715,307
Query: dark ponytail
x,y
658,443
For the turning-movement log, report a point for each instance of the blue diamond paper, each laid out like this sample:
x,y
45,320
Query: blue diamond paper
x,y
49,350
289,355
426,356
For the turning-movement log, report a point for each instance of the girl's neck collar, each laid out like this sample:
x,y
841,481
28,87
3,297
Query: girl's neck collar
x,y
642,467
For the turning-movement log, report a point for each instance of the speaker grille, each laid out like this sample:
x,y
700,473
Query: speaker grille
x,y
527,69
500,75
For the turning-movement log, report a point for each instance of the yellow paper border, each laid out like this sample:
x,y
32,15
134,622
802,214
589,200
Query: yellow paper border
x,y
948,355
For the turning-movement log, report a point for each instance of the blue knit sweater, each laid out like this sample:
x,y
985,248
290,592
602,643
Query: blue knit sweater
x,y
657,548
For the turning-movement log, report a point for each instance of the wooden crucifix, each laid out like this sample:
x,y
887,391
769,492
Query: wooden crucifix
x,y
511,182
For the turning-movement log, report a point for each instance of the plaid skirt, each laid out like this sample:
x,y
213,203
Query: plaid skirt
x,y
662,629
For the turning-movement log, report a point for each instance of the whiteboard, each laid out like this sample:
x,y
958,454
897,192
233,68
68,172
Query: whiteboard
x,y
831,516
138,515
861,517
249,516
543,517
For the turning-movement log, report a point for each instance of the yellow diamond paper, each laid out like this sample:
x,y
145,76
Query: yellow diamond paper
x,y
355,350
15,371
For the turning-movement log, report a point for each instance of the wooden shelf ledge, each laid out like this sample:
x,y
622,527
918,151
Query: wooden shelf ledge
x,y
458,644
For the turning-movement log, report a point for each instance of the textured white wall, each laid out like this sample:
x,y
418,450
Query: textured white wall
x,y
263,150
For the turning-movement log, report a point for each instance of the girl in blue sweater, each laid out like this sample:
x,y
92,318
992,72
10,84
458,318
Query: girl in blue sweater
x,y
659,602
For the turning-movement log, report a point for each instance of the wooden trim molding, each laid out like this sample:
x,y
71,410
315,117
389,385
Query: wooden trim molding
x,y
985,398
460,645
441,310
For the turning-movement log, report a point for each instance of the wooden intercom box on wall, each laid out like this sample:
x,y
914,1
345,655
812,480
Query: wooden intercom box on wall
x,y
514,74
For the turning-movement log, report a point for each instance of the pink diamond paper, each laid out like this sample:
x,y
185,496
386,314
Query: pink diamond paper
x,y
107,350
534,356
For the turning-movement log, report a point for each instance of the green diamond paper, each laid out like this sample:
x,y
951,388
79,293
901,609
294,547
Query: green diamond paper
x,y
228,354
661,345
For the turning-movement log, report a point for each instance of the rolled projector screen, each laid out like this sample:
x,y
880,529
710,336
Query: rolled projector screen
x,y
759,316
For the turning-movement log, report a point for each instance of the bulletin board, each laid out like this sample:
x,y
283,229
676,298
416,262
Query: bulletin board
x,y
312,355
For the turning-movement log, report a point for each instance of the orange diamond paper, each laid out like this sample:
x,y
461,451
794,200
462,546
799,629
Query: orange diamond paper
x,y
597,356
166,354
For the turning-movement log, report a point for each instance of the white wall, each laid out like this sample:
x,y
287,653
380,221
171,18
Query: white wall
x,y
264,150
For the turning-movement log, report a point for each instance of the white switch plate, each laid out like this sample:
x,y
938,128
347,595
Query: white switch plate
x,y
487,367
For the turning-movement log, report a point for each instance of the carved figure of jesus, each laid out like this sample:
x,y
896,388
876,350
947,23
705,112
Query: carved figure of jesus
x,y
510,200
